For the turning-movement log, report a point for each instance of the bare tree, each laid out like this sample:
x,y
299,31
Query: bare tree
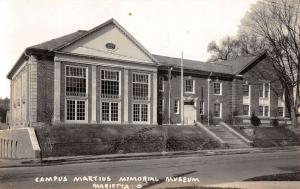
x,y
277,24
230,47
227,49
274,26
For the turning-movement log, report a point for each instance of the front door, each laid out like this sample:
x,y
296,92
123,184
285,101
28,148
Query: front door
x,y
189,114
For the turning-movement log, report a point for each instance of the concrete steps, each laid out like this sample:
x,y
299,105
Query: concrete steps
x,y
232,140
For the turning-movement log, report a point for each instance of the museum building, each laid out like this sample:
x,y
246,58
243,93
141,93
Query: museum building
x,y
105,76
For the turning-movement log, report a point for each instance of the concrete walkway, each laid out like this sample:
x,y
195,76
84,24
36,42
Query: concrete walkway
x,y
6,163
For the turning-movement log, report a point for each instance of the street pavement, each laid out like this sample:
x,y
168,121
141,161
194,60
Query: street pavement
x,y
202,170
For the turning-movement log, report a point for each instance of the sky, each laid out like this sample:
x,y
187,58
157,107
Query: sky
x,y
165,27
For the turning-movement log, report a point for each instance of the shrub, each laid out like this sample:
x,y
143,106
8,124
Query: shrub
x,y
275,123
255,121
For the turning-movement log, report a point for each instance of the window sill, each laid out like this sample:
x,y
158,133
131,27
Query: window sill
x,y
76,121
217,94
111,122
142,123
217,117
189,92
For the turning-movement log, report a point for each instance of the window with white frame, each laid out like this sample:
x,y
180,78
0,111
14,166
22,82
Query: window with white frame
x,y
76,110
189,86
218,110
140,86
76,81
161,83
264,89
246,110
217,88
176,106
246,90
110,84
201,110
266,111
281,96
140,112
263,111
110,111
161,106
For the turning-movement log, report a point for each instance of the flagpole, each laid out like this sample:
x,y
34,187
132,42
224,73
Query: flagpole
x,y
181,97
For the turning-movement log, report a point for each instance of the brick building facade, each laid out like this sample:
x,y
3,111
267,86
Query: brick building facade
x,y
105,76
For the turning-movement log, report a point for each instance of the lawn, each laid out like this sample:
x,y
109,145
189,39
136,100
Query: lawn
x,y
278,177
70,140
271,136
274,137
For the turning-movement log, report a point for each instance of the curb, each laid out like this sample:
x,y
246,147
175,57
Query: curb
x,y
140,156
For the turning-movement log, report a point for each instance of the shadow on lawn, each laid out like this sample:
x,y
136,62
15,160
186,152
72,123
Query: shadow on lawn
x,y
277,177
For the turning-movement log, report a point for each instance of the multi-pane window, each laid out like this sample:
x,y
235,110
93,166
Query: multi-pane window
x,y
161,83
140,113
246,110
189,85
281,96
264,90
140,86
76,81
267,90
105,111
161,105
266,111
246,90
176,106
76,110
217,88
217,110
110,111
71,110
201,110
280,111
110,84
260,110
263,111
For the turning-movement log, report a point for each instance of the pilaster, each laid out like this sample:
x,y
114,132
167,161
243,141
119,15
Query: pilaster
x,y
94,94
57,91
154,103
125,110
33,90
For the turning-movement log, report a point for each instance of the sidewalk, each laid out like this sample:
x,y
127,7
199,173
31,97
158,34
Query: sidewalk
x,y
6,163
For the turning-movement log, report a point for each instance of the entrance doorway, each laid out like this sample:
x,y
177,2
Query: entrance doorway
x,y
190,113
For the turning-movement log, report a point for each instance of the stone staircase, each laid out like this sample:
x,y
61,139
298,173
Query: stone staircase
x,y
228,137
